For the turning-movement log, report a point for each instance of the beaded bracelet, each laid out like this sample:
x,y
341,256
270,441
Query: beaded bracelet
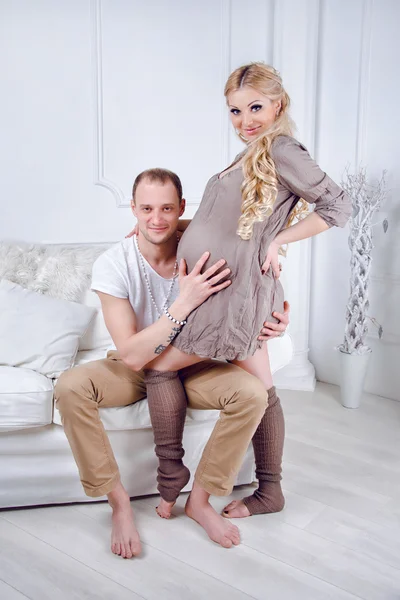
x,y
174,320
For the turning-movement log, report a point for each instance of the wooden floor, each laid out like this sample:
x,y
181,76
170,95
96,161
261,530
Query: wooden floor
x,y
338,537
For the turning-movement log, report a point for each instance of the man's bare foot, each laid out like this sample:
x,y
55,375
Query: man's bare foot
x,y
236,510
125,539
218,529
164,509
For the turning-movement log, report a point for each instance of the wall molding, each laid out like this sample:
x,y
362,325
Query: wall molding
x,y
313,74
97,74
270,32
363,82
226,67
277,46
300,373
100,177
306,378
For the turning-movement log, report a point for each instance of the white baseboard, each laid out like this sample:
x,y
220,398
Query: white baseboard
x,y
299,374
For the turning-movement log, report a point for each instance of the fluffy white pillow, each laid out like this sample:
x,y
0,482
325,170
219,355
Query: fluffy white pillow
x,y
38,332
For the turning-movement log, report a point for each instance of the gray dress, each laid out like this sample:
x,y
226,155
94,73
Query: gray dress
x,y
227,325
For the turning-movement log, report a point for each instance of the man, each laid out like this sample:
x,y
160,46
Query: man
x,y
134,280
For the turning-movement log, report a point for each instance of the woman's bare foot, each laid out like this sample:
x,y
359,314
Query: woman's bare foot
x,y
218,529
164,509
236,510
125,539
267,499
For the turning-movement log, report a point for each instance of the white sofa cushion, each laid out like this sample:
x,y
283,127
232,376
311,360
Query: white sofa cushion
x,y
39,332
26,399
136,416
85,356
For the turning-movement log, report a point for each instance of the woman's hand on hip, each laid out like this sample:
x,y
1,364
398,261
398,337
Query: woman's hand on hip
x,y
272,260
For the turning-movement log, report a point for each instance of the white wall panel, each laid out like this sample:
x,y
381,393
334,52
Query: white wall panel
x,y
340,54
296,57
380,135
359,123
94,91
161,67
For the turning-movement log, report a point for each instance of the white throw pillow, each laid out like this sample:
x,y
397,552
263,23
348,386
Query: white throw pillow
x,y
38,332
97,335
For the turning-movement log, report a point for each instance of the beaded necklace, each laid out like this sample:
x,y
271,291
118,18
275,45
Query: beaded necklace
x,y
146,278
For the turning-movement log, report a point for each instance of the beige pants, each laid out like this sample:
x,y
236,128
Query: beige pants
x,y
81,391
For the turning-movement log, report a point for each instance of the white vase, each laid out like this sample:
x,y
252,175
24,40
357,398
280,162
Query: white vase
x,y
353,369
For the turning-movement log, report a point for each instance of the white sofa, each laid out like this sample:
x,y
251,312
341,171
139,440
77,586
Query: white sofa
x,y
36,464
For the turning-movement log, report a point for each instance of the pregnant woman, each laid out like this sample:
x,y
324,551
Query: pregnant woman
x,y
245,216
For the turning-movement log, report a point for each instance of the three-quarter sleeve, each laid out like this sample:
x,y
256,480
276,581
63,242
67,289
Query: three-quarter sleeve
x,y
301,175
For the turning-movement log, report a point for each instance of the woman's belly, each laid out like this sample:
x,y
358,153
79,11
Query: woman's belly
x,y
210,237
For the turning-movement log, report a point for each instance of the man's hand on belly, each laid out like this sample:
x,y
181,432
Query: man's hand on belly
x,y
273,330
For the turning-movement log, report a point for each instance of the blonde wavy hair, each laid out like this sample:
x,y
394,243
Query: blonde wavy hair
x,y
259,187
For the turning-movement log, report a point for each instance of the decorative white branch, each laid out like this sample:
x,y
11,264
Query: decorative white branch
x,y
366,200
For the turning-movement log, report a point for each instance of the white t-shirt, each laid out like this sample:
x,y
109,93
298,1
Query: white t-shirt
x,y
119,272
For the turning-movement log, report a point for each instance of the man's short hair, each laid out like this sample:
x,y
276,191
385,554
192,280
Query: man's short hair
x,y
160,176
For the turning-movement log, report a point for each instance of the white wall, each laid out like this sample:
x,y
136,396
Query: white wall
x,y
359,121
95,91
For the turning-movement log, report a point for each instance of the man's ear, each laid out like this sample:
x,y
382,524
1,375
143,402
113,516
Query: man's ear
x,y
182,206
133,207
